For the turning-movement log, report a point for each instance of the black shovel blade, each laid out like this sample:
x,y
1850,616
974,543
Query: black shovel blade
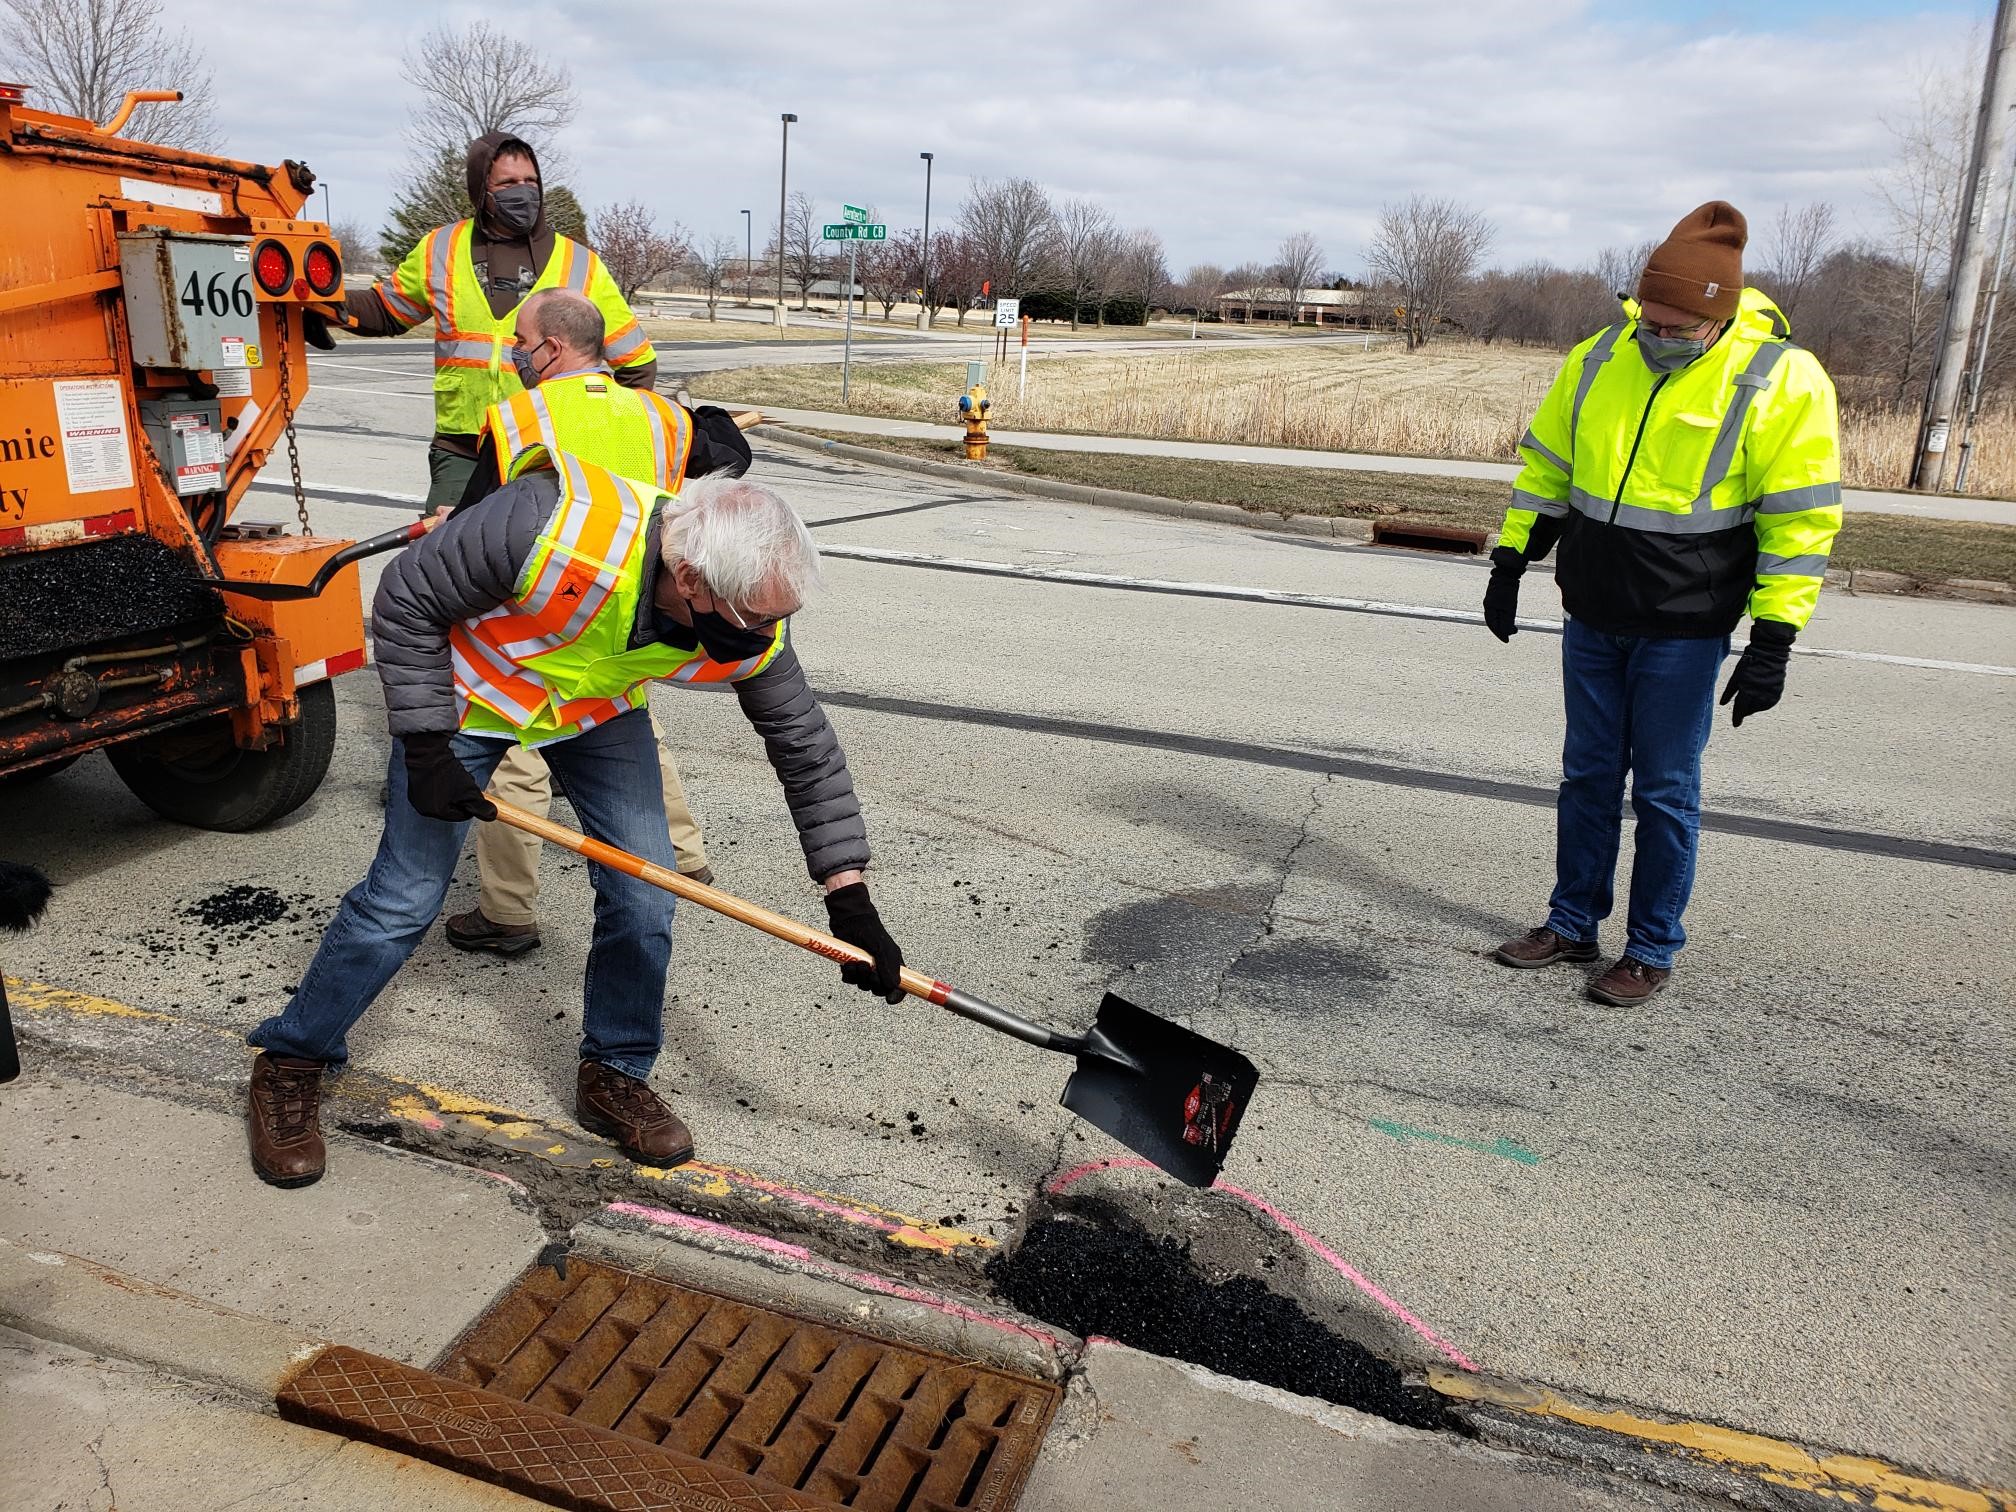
x,y
1180,1109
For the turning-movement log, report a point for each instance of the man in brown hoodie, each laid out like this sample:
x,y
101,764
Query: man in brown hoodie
x,y
469,279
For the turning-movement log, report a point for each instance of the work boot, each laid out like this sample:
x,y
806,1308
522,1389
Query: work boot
x,y
474,931
626,1110
283,1109
703,874
1629,983
1543,947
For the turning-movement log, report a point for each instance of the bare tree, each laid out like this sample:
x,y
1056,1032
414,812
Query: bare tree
x,y
83,56
1801,241
476,79
956,272
1298,264
1199,289
1248,283
1920,191
1426,249
632,246
360,251
804,254
1087,245
1619,268
710,265
1009,225
888,270
1142,271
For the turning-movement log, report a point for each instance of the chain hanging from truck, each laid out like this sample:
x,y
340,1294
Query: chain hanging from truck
x,y
287,414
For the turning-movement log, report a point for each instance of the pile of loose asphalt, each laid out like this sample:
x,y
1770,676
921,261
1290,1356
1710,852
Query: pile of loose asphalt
x,y
96,591
1112,1278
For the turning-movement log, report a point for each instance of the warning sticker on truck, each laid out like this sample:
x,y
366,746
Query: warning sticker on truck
x,y
92,415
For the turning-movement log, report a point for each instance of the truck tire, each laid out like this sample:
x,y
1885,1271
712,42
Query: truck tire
x,y
224,788
35,774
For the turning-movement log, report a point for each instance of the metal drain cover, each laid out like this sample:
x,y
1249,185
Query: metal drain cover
x,y
619,1390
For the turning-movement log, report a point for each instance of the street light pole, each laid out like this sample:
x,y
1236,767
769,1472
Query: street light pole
x,y
748,258
924,310
783,175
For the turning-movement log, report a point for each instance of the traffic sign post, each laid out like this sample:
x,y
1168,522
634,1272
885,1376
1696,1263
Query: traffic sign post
x,y
853,229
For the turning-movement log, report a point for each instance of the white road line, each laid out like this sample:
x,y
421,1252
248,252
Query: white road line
x,y
382,393
417,371
1318,601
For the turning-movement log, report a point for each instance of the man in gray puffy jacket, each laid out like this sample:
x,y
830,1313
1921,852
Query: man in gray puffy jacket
x,y
714,576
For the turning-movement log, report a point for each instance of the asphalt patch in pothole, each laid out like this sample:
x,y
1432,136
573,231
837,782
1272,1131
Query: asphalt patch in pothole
x,y
1114,1279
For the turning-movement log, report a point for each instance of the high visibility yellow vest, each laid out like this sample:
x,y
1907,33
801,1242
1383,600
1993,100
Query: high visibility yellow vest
x,y
631,432
557,660
1746,435
472,347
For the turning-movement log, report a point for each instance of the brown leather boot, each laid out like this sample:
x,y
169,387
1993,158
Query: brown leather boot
x,y
1543,947
1629,983
283,1109
626,1110
474,931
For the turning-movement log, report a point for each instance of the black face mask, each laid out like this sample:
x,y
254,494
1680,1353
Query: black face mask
x,y
725,641
515,207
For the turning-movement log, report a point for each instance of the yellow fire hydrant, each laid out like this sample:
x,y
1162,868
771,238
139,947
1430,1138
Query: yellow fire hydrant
x,y
973,407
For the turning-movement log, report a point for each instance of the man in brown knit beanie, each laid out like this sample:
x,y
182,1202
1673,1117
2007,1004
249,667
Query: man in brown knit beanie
x,y
1687,460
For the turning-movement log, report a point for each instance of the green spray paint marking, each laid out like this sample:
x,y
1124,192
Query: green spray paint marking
x,y
1505,1148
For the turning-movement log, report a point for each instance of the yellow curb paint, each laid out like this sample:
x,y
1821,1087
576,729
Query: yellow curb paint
x,y
723,1182
1849,1478
41,998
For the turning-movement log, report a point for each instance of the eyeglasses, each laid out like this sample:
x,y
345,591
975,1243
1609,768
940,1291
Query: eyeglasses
x,y
1687,332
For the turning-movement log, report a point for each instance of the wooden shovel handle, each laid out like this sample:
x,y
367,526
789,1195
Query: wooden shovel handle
x,y
774,924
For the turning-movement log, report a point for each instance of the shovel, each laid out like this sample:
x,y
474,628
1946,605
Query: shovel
x,y
1172,1096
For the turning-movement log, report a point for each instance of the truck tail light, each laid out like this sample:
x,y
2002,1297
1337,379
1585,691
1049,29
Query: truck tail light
x,y
273,267
324,272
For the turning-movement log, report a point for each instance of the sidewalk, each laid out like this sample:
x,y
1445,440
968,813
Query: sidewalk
x,y
150,1308
1917,506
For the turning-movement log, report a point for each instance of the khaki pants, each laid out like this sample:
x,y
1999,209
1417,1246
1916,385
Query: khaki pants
x,y
508,859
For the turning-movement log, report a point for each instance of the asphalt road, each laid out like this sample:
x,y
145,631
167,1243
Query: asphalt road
x,y
1778,1197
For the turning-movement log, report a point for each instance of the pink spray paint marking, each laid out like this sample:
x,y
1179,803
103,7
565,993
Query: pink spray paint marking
x,y
827,1205
1336,1261
665,1218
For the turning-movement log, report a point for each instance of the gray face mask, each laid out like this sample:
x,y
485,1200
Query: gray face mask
x,y
516,207
1668,354
525,361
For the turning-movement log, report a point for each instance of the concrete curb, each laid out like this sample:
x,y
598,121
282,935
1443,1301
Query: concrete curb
x,y
1335,527
68,1300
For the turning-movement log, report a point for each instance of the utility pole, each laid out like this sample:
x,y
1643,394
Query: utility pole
x,y
924,310
748,258
783,177
1970,251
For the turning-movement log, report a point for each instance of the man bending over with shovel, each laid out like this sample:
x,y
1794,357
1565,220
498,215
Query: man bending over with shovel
x,y
541,619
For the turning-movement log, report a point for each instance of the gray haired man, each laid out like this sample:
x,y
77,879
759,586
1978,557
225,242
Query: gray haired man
x,y
541,619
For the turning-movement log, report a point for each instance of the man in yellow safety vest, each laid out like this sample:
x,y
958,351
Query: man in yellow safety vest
x,y
571,403
470,279
1688,460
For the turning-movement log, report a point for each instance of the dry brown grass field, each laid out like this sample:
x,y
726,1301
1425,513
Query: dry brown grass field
x,y
1449,400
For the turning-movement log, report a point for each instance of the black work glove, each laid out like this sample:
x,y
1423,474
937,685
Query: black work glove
x,y
437,784
1759,679
1501,594
315,330
852,915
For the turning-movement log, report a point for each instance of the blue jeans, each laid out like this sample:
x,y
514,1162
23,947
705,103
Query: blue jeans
x,y
610,775
1643,705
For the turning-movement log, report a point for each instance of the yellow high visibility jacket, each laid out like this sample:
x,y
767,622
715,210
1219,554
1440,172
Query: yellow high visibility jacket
x,y
1686,498
557,659
472,347
631,432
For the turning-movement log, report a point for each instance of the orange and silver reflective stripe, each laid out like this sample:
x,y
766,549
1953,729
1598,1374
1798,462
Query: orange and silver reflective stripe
x,y
704,669
671,431
397,305
514,421
623,346
591,536
497,683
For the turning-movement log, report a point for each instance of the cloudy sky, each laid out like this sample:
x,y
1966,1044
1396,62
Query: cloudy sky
x,y
1224,126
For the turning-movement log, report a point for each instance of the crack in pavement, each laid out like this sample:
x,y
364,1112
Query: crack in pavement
x,y
1272,915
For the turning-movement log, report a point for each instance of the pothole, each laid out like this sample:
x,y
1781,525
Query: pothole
x,y
1111,1278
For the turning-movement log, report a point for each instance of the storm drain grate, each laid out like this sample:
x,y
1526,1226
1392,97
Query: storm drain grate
x,y
838,1417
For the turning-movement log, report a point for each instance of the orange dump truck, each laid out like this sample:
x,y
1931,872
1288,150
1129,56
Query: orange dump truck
x,y
151,356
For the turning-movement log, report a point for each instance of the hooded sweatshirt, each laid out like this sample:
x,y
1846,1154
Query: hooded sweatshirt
x,y
507,265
